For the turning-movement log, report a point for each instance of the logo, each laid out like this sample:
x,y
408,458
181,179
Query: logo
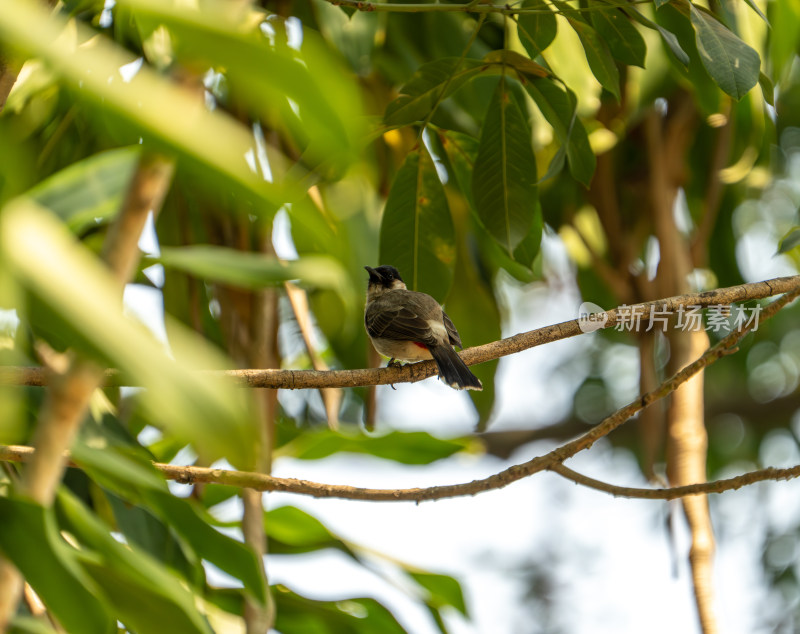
x,y
591,317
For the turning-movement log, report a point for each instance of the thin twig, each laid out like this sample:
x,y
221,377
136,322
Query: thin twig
x,y
672,493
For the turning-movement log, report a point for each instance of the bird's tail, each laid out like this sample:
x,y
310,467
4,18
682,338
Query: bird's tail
x,y
452,370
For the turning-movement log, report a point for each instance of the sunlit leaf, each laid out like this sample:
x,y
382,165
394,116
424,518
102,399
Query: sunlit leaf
x,y
295,613
30,539
503,181
292,530
405,447
304,84
790,240
130,579
444,590
138,482
732,64
29,625
90,191
79,290
257,270
147,102
417,234
783,36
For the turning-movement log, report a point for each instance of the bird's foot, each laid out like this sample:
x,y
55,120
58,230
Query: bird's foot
x,y
393,363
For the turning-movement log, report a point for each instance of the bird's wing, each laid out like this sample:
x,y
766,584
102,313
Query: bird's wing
x,y
452,333
400,318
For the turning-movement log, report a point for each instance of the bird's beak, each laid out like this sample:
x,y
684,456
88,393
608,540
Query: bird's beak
x,y
374,276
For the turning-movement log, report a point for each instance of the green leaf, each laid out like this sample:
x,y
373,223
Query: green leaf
x,y
732,64
291,530
767,88
536,30
527,250
504,178
790,240
560,108
675,18
444,590
90,191
85,302
626,43
555,166
138,482
602,63
144,528
472,306
149,104
668,36
524,66
130,579
461,150
29,625
431,84
295,613
417,234
305,90
784,36
29,538
256,270
405,447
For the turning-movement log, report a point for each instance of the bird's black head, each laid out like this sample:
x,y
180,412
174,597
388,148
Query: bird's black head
x,y
385,276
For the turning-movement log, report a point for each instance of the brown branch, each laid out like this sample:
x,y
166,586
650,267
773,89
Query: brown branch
x,y
306,379
672,493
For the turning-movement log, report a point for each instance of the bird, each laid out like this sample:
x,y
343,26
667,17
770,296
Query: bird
x,y
411,326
